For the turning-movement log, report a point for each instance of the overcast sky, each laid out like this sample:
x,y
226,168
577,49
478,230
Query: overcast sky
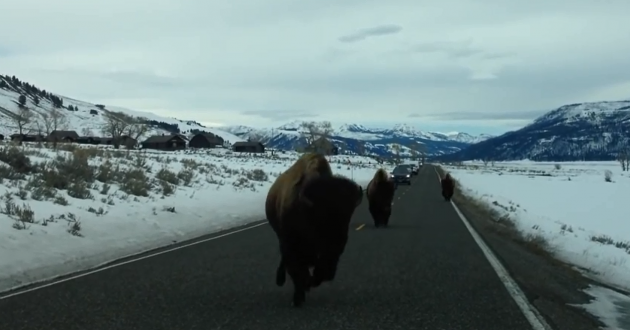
x,y
467,65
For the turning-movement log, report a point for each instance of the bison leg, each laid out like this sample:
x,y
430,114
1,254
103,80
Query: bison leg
x,y
447,195
375,216
298,271
386,215
281,274
300,277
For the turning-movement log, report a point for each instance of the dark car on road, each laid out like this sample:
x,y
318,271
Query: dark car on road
x,y
401,174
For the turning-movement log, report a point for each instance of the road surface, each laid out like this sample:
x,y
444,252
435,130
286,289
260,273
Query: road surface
x,y
423,272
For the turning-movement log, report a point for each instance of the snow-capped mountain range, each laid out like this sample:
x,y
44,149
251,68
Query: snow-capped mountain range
x,y
580,131
348,137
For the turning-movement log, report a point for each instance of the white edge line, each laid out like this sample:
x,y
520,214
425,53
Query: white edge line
x,y
124,262
531,313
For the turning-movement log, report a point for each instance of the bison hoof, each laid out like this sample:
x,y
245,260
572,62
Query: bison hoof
x,y
298,299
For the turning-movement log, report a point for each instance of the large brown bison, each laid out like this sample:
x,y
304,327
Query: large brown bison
x,y
380,194
448,187
310,209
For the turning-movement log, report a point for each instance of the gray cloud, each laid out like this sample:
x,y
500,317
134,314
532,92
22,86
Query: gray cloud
x,y
280,114
375,31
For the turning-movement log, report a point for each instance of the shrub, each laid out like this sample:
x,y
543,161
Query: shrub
x,y
16,159
257,175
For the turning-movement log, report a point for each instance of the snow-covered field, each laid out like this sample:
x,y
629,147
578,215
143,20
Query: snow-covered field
x,y
584,217
77,207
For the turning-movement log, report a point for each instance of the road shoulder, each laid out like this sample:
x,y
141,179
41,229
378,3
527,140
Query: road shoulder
x,y
549,284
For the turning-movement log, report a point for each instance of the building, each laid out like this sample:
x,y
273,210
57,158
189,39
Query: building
x,y
89,140
256,147
164,142
205,140
27,137
128,141
63,136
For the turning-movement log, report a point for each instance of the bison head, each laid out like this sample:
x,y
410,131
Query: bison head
x,y
327,204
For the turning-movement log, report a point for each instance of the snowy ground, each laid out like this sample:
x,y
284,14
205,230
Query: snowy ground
x,y
77,207
582,216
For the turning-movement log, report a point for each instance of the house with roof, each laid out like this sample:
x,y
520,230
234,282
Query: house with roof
x,y
164,143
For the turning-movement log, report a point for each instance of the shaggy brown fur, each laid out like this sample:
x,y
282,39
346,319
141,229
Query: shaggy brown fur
x,y
309,209
380,194
448,187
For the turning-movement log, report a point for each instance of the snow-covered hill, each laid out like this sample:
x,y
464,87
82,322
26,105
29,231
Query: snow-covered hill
x,y
580,131
79,112
378,141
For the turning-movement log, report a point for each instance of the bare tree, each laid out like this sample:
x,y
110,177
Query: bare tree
x,y
86,132
414,154
116,125
624,160
23,121
419,150
136,129
397,148
53,120
313,130
360,148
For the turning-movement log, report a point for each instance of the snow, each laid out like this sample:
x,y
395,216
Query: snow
x,y
582,217
611,307
82,119
226,190
587,110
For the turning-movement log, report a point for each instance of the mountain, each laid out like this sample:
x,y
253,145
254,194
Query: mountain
x,y
580,131
350,137
83,117
467,138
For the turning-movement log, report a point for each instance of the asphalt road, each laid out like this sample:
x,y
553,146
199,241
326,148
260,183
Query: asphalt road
x,y
423,272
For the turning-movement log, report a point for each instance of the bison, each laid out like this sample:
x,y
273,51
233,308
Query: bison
x,y
448,187
310,209
380,194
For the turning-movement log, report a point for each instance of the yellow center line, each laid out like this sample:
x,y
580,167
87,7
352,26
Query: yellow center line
x,y
360,226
